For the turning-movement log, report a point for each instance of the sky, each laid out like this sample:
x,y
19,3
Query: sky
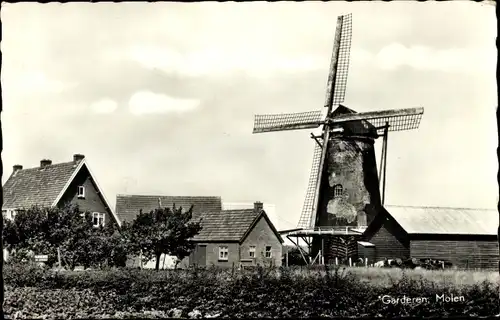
x,y
160,97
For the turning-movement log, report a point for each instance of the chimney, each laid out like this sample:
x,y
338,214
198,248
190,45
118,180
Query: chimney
x,y
78,157
17,167
45,162
258,206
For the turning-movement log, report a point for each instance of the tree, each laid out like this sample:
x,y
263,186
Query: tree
x,y
163,231
47,230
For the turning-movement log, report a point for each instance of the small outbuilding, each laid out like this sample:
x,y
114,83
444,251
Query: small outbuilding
x,y
244,237
465,237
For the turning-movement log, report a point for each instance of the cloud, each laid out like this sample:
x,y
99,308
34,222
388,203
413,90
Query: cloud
x,y
424,58
37,82
147,102
215,61
104,106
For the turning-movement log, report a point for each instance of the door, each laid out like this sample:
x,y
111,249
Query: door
x,y
202,255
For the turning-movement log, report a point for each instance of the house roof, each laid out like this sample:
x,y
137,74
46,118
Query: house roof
x,y
45,186
226,225
230,225
128,206
441,220
36,186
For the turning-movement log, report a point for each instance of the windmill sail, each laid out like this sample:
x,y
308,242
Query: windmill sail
x,y
336,85
343,55
287,121
309,201
398,120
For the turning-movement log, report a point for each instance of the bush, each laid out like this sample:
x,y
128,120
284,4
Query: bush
x,y
263,292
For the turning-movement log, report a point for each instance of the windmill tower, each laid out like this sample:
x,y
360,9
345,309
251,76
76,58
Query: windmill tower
x,y
344,192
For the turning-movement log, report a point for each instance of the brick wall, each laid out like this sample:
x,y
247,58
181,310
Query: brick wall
x,y
212,254
261,236
92,201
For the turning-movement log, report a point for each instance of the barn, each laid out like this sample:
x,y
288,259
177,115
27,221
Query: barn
x,y
465,237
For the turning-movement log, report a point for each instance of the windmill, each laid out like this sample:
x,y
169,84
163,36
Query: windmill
x,y
343,193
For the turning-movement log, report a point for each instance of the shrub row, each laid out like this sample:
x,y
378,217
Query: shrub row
x,y
230,293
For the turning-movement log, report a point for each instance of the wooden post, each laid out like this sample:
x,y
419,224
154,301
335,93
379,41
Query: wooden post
x,y
385,158
336,261
366,262
322,250
59,257
286,258
350,262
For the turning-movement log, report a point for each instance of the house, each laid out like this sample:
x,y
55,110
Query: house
x,y
245,237
129,206
55,185
465,237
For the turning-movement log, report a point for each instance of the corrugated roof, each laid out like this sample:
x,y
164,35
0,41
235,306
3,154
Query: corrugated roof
x,y
128,206
440,220
36,186
226,225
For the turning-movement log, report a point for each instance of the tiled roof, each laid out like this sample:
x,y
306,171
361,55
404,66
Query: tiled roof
x,y
439,220
226,225
128,206
36,186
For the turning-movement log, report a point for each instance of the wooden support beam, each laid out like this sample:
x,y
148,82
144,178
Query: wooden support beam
x,y
305,240
317,141
381,164
300,249
319,252
385,160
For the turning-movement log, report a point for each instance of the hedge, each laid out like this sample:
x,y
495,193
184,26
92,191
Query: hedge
x,y
120,293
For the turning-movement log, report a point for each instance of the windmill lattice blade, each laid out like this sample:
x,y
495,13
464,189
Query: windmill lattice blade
x,y
398,120
343,60
305,217
287,121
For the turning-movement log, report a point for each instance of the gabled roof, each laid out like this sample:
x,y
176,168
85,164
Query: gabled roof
x,y
128,206
36,186
45,186
441,220
231,225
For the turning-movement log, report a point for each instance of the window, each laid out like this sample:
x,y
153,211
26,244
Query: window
x,y
223,253
9,214
268,251
98,219
251,251
338,191
81,192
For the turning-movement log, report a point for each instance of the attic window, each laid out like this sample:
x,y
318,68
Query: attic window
x,y
98,219
337,191
223,253
81,192
268,252
251,251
